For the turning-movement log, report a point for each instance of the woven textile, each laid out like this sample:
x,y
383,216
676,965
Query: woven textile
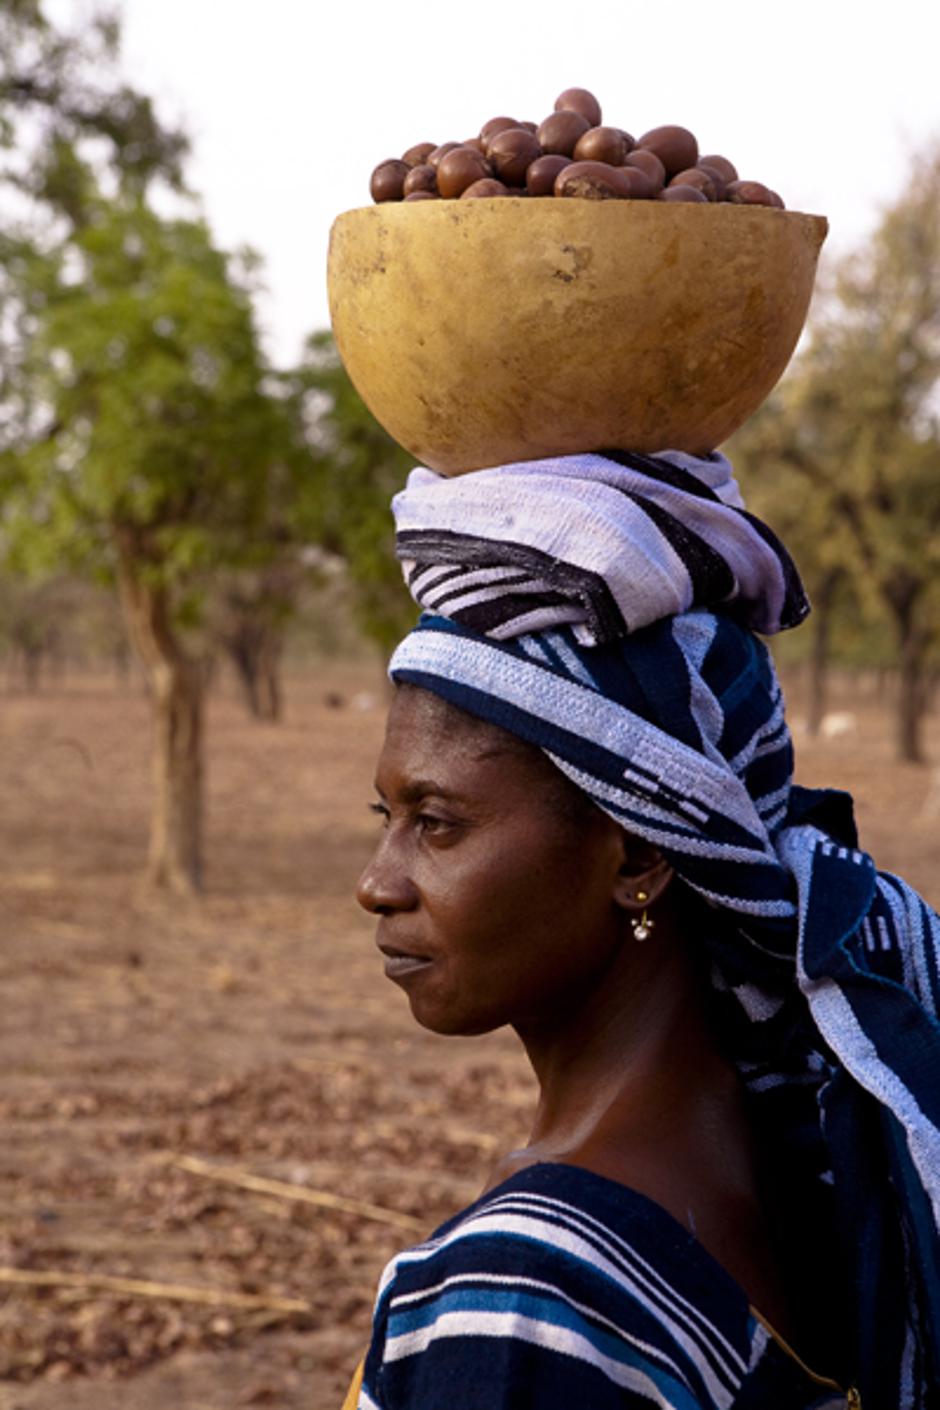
x,y
561,1289
605,544
831,971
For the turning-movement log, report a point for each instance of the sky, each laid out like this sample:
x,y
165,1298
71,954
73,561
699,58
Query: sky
x,y
291,103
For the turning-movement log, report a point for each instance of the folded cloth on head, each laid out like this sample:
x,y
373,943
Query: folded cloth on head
x,y
671,719
606,543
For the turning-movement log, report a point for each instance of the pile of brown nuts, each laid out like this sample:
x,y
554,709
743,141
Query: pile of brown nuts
x,y
571,153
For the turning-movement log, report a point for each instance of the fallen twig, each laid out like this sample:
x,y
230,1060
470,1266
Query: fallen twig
x,y
136,1287
232,1175
460,1136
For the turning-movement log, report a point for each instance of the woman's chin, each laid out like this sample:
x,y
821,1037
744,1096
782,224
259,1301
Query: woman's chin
x,y
451,1021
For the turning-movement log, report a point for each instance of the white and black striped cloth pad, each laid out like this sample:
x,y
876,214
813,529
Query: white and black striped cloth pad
x,y
605,543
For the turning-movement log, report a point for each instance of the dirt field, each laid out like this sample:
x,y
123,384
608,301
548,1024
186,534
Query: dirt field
x,y
252,1031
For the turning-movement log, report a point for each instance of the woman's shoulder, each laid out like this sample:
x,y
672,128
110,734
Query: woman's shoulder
x,y
560,1287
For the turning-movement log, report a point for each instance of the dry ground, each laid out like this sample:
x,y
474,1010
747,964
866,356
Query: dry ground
x,y
251,1030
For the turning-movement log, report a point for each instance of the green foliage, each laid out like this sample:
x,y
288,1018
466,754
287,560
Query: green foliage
x,y
355,468
132,396
844,460
65,114
143,357
70,129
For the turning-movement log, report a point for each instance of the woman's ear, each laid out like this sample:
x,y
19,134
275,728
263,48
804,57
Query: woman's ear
x,y
643,877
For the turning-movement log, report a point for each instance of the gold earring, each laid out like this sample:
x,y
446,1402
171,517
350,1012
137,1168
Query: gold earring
x,y
642,927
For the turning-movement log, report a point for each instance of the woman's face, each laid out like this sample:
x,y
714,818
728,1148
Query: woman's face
x,y
496,900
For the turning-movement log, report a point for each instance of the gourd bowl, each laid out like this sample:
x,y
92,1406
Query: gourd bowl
x,y
487,331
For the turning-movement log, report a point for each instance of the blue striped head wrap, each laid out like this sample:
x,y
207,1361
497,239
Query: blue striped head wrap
x,y
602,607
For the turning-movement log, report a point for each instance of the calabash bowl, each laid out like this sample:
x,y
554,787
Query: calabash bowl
x,y
487,331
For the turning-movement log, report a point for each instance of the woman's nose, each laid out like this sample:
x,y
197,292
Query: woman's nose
x,y
384,886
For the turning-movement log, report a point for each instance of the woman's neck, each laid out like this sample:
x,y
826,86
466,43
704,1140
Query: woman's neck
x,y
631,1072
633,1087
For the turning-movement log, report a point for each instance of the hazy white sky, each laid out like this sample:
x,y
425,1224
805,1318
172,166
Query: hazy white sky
x,y
292,102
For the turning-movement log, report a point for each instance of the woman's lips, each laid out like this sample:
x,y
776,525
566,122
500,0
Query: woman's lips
x,y
398,964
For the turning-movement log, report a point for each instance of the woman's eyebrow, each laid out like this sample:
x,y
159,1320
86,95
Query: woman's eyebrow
x,y
420,788
497,750
416,789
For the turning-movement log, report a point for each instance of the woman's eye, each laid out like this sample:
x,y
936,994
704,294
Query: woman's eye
x,y
443,827
424,823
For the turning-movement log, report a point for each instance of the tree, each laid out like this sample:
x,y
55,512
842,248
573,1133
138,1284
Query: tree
x,y
51,623
30,627
249,613
152,462
358,468
62,102
70,128
328,504
854,431
822,546
136,435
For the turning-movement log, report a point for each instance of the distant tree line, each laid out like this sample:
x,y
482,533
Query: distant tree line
x,y
147,444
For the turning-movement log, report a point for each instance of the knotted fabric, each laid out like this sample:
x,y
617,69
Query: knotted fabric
x,y
672,720
605,545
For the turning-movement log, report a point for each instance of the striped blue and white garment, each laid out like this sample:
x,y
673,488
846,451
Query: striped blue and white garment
x,y
561,1289
581,605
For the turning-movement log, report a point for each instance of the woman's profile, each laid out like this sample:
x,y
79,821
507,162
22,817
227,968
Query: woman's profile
x,y
731,1193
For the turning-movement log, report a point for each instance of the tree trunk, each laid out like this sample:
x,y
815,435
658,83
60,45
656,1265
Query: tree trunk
x,y
254,647
32,668
823,599
121,661
175,857
903,593
912,696
176,687
269,678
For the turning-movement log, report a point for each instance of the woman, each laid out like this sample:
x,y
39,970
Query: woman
x,y
591,834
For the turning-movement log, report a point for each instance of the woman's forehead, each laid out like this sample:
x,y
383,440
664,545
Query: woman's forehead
x,y
424,727
420,711
429,739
